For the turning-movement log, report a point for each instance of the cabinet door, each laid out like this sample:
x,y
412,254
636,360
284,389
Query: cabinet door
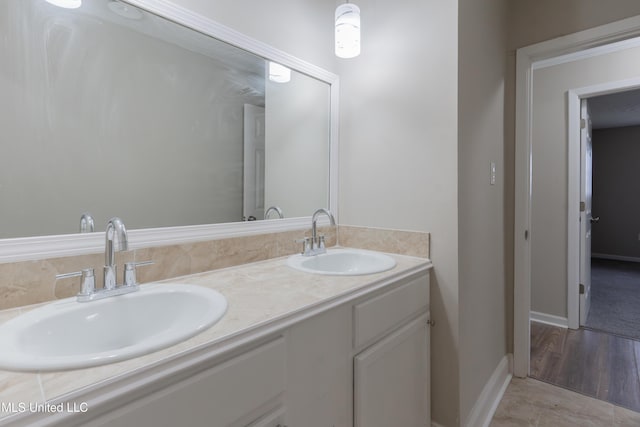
x,y
391,384
320,371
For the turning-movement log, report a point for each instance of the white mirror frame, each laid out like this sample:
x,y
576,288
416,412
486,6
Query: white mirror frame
x,y
41,247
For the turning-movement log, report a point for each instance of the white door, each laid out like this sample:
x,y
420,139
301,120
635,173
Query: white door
x,y
253,188
585,210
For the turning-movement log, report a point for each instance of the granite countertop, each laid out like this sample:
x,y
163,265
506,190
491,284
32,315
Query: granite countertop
x,y
257,293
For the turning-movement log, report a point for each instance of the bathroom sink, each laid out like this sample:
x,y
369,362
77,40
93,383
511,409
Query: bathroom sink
x,y
67,334
343,262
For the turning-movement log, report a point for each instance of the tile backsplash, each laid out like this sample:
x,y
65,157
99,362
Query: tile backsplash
x,y
30,282
412,243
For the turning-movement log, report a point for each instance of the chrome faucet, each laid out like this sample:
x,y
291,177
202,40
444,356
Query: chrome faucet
x,y
87,224
115,228
315,244
275,209
88,291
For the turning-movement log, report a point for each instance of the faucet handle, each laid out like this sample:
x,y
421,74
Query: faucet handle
x,y
130,272
321,244
306,245
88,283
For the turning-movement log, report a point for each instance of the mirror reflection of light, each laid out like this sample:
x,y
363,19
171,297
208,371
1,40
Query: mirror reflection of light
x,y
67,4
124,10
279,73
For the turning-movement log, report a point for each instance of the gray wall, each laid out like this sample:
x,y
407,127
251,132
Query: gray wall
x,y
535,21
616,192
481,239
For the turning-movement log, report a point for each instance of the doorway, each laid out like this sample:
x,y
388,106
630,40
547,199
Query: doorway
x,y
615,271
253,164
609,38
599,358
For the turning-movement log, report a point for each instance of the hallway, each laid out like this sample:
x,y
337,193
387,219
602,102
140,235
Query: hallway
x,y
597,364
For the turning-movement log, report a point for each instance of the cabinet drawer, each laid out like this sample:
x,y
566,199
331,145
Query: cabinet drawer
x,y
218,396
378,316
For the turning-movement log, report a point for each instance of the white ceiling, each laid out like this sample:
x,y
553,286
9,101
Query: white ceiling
x,y
615,110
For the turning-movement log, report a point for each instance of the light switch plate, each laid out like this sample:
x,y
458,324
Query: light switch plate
x,y
493,173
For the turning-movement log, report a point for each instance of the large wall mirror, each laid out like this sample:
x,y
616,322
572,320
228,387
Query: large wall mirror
x,y
112,110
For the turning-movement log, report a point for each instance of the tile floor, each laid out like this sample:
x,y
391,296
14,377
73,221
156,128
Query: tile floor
x,y
529,402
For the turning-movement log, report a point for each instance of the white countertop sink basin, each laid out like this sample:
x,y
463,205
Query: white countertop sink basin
x,y
67,334
343,262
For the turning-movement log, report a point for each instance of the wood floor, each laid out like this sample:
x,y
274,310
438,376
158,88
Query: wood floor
x,y
593,363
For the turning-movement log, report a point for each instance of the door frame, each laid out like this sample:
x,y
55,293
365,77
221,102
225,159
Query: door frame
x,y
593,42
250,184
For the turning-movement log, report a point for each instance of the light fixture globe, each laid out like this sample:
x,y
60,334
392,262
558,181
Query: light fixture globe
x,y
347,31
66,4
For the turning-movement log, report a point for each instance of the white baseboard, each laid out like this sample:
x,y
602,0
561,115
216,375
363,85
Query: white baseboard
x,y
616,257
435,424
489,399
549,319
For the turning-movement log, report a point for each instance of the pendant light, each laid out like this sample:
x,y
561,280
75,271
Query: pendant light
x,y
347,30
67,4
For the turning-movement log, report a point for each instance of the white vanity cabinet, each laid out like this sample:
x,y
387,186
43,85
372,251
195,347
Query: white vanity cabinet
x,y
320,370
363,363
359,359
245,390
392,372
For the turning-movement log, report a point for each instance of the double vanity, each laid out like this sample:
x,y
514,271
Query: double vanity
x,y
244,333
326,343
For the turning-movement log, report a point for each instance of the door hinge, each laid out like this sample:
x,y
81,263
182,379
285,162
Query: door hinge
x,y
526,235
583,123
581,289
583,206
